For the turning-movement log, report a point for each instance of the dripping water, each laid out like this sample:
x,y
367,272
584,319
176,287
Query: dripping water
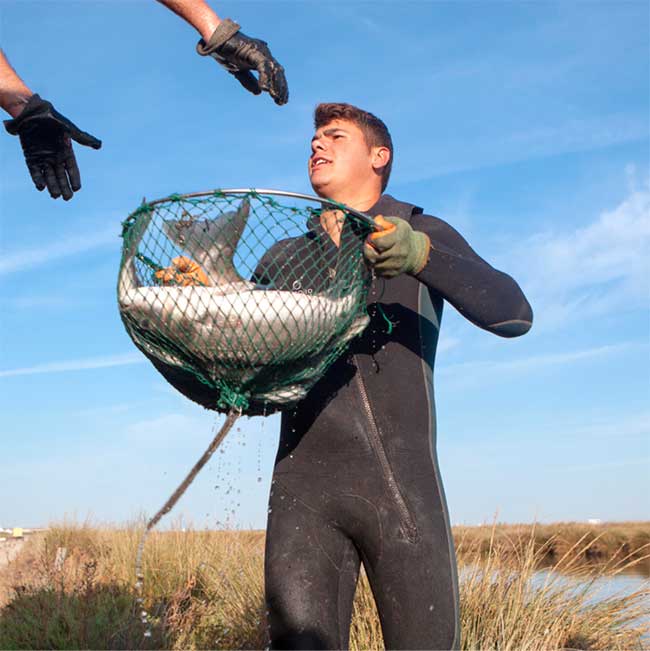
x,y
232,416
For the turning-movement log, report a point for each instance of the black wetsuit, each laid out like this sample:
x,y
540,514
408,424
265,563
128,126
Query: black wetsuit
x,y
356,476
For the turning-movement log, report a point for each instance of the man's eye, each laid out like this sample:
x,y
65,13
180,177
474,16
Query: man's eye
x,y
336,137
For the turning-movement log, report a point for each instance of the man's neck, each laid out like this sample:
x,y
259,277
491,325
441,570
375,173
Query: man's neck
x,y
359,201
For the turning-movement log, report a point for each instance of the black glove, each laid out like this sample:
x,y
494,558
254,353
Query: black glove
x,y
239,54
45,137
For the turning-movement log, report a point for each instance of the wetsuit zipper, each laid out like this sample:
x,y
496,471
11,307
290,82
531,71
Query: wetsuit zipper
x,y
409,527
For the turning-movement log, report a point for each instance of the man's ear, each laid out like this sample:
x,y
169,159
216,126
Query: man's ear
x,y
380,158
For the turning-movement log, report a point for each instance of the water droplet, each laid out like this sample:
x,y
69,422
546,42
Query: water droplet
x,y
297,528
259,479
147,633
270,510
281,497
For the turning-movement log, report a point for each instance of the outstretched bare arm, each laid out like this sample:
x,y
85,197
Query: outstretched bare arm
x,y
197,13
239,54
14,93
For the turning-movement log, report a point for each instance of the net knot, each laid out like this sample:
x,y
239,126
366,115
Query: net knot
x,y
175,197
229,397
128,223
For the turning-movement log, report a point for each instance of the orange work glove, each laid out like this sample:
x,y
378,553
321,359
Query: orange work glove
x,y
182,272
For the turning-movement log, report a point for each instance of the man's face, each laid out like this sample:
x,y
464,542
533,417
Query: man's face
x,y
340,159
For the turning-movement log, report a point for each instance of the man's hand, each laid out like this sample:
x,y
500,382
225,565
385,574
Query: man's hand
x,y
182,272
239,54
45,136
397,248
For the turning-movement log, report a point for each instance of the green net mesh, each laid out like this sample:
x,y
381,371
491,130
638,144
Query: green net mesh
x,y
241,298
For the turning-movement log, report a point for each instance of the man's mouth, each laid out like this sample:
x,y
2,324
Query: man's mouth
x,y
318,161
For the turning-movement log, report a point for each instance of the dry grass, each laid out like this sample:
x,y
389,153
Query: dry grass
x,y
608,542
205,590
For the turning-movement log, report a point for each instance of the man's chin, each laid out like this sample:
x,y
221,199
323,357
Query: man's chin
x,y
319,188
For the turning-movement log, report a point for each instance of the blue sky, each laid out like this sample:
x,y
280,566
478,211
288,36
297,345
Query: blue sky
x,y
523,124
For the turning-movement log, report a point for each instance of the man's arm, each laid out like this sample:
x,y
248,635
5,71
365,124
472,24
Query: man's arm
x,y
197,13
486,296
45,135
438,256
237,53
14,93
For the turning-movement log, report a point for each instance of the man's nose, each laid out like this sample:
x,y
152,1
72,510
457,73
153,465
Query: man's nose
x,y
317,145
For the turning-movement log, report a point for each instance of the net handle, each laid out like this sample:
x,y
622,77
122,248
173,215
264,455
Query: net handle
x,y
367,219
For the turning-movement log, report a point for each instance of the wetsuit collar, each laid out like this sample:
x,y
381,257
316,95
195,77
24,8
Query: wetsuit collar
x,y
388,205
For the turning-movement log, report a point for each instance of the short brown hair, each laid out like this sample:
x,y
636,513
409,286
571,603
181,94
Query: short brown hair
x,y
374,130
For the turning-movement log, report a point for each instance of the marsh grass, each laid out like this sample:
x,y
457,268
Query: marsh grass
x,y
605,543
506,603
204,589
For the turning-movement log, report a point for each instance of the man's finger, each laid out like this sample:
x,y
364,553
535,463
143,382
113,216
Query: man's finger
x,y
52,184
370,253
248,81
279,90
84,138
62,179
37,176
265,71
73,172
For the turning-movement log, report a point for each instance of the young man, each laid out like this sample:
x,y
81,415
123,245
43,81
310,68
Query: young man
x,y
356,478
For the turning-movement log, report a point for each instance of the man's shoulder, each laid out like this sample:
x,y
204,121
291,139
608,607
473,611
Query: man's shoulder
x,y
389,205
411,210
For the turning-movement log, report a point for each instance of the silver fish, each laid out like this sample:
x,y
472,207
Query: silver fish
x,y
232,329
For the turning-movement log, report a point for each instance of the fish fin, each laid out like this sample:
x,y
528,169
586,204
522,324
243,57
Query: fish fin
x,y
128,274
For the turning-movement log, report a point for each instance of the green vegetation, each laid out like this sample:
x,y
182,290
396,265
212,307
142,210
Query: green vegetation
x,y
204,589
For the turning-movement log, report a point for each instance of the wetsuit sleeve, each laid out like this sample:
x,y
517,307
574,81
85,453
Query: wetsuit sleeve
x,y
487,297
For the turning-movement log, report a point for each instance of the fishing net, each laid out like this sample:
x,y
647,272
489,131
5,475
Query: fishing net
x,y
240,298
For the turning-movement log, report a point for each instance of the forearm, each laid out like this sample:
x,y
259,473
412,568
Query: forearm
x,y
197,13
14,93
484,295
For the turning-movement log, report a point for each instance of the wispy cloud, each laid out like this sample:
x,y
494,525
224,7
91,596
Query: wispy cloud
x,y
85,364
605,464
475,371
11,262
589,271
487,150
41,302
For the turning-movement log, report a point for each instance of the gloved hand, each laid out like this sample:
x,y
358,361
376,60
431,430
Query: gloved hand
x,y
397,248
45,136
239,54
182,272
